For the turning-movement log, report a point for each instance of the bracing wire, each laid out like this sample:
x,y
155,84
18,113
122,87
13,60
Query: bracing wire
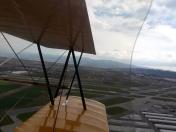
x,y
16,55
54,63
57,60
28,28
60,100
7,60
43,30
13,106
58,72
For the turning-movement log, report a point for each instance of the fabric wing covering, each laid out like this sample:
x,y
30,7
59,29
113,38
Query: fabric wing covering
x,y
59,24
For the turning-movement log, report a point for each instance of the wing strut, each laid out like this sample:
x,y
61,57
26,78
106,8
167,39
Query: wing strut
x,y
78,78
72,52
45,73
74,77
62,74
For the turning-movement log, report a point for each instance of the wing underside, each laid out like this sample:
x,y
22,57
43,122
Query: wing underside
x,y
60,24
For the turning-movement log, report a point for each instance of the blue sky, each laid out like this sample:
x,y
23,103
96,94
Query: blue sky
x,y
115,24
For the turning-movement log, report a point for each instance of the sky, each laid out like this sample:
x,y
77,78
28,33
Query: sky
x,y
122,19
115,25
156,46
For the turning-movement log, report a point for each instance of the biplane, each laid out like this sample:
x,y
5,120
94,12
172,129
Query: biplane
x,y
58,24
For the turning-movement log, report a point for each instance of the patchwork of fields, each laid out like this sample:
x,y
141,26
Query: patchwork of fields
x,y
112,88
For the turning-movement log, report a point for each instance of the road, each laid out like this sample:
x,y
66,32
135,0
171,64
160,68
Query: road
x,y
13,115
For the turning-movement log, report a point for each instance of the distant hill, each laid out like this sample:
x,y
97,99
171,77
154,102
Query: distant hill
x,y
106,64
154,72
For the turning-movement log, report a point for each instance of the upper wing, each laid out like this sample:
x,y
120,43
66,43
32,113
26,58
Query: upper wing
x,y
54,23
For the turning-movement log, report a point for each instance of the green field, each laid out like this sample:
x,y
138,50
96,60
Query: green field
x,y
25,116
87,94
6,121
33,96
6,86
116,110
137,96
37,96
164,99
115,100
104,87
170,95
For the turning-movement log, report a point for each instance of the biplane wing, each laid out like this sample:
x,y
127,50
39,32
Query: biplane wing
x,y
59,24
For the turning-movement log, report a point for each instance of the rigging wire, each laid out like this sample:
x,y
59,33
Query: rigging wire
x,y
136,39
30,68
17,56
60,100
57,60
13,106
57,112
7,60
28,28
41,34
54,63
58,72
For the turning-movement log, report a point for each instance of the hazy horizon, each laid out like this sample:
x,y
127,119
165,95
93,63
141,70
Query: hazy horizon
x,y
115,25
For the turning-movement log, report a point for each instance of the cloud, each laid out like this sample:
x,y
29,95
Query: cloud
x,y
156,48
117,15
157,43
115,24
163,12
